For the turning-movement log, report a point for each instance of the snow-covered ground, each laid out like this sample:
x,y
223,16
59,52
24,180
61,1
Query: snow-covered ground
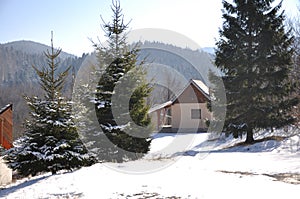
x,y
181,166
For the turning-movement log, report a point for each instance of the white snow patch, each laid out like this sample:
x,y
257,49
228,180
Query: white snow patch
x,y
219,174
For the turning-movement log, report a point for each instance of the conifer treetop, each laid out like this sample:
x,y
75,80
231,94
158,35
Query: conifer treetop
x,y
52,83
115,31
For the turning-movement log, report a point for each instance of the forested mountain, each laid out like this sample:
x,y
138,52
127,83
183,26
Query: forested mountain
x,y
171,67
168,67
31,47
17,77
192,64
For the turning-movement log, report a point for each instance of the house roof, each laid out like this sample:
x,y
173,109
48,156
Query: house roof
x,y
2,110
197,83
201,86
160,106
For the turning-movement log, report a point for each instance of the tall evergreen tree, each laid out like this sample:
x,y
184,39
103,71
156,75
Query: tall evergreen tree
x,y
294,24
255,54
120,100
50,142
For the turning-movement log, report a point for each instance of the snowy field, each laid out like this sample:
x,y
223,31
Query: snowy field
x,y
181,166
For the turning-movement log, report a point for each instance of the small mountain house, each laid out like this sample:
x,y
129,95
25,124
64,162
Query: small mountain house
x,y
186,113
6,140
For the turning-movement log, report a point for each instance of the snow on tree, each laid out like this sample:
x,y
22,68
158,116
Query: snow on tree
x,y
255,54
50,142
122,90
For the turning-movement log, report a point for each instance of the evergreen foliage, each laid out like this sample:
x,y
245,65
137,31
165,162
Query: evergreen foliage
x,y
255,54
122,90
18,76
50,142
294,24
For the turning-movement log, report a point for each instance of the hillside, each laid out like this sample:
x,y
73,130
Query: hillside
x,y
18,57
169,69
17,77
191,64
31,47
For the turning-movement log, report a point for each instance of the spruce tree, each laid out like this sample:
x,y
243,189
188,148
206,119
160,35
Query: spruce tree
x,y
50,142
294,24
255,55
122,83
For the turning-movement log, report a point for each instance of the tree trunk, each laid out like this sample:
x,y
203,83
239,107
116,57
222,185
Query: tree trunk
x,y
249,139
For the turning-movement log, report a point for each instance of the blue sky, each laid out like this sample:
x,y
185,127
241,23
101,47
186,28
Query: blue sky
x,y
75,21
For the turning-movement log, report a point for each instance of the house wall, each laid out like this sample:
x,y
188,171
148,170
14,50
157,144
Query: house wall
x,y
159,119
182,120
6,129
191,95
5,173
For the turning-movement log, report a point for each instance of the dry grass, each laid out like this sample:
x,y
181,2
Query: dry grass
x,y
144,195
290,178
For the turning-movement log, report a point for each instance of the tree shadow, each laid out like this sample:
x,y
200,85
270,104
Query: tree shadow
x,y
6,191
266,144
173,134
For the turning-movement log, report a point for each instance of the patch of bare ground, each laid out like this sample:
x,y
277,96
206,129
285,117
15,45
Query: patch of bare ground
x,y
146,195
291,178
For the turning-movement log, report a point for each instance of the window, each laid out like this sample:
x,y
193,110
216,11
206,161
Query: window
x,y
196,113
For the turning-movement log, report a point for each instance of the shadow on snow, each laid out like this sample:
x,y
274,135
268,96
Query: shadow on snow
x,y
5,191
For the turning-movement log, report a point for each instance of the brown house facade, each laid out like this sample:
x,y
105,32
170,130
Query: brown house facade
x,y
6,140
187,113
6,127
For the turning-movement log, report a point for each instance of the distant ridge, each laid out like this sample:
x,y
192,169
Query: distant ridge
x,y
31,47
210,50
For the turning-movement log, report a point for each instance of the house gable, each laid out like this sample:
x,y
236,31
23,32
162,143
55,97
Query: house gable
x,y
195,92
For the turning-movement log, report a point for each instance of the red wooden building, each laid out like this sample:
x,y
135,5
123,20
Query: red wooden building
x,y
6,127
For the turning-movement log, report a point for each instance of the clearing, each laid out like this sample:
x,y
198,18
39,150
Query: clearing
x,y
182,166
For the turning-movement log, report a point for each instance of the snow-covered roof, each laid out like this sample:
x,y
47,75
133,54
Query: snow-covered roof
x,y
5,108
201,85
160,106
